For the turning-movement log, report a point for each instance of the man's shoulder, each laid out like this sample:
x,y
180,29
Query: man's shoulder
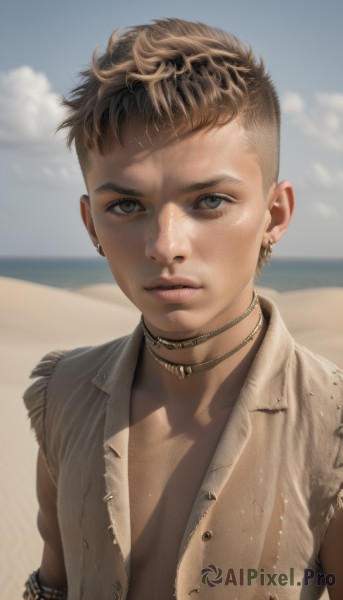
x,y
93,357
314,370
70,372
84,365
315,399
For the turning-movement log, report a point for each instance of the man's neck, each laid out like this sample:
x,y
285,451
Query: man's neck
x,y
201,390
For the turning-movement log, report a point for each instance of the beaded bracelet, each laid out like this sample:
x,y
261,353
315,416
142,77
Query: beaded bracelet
x,y
35,591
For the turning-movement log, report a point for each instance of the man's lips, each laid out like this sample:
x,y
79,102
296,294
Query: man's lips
x,y
170,287
162,283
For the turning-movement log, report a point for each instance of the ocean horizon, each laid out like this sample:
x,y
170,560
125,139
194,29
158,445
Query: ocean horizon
x,y
282,274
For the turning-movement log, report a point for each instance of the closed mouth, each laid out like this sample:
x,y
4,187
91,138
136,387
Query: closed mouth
x,y
177,283
170,287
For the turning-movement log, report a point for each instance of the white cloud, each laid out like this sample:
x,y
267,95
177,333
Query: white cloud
x,y
293,104
327,211
29,112
318,175
53,171
323,122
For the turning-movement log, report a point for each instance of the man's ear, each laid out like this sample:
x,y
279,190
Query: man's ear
x,y
281,206
87,218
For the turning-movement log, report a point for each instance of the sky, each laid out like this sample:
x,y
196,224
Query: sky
x,y
45,44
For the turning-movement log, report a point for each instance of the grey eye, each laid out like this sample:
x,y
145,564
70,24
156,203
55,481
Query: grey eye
x,y
211,201
127,206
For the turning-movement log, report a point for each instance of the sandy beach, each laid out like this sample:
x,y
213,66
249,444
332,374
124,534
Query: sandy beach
x,y
36,319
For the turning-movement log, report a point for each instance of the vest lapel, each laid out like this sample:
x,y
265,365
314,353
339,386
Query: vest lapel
x,y
227,453
115,378
265,388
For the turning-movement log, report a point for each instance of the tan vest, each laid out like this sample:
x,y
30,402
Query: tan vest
x,y
266,500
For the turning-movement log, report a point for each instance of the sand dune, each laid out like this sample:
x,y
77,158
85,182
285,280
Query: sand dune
x,y
107,293
35,319
313,316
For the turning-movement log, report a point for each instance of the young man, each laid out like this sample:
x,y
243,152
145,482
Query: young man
x,y
202,455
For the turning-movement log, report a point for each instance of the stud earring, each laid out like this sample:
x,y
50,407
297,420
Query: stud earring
x,y
99,249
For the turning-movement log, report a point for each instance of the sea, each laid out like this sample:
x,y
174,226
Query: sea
x,y
281,274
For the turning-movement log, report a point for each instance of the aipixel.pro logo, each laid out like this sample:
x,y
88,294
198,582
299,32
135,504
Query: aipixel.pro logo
x,y
213,576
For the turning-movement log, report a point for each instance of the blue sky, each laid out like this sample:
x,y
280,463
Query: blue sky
x,y
44,44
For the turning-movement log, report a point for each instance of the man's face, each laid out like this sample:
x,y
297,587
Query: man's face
x,y
170,212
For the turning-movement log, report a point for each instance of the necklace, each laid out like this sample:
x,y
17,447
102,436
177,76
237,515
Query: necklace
x,y
200,339
183,371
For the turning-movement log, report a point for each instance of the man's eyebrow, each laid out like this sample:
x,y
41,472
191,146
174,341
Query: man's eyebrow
x,y
118,189
204,185
111,186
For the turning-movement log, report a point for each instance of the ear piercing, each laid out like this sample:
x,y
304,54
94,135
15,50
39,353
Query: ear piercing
x,y
99,249
267,252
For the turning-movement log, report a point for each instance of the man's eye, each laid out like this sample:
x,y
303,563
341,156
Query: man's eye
x,y
124,207
212,201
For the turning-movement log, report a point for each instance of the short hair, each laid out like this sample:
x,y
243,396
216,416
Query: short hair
x,y
178,75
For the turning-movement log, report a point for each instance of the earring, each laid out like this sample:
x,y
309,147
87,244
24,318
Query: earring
x,y
267,252
99,249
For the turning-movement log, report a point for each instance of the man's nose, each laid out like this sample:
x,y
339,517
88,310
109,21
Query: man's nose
x,y
168,236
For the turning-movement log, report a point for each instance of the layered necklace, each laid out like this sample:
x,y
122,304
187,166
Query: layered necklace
x,y
182,371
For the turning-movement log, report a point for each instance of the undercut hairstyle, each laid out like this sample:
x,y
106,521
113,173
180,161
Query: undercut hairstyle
x,y
175,75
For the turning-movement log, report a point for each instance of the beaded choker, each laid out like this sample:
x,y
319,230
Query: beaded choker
x,y
157,342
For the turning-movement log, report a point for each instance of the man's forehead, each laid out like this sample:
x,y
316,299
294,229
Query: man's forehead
x,y
136,139
202,160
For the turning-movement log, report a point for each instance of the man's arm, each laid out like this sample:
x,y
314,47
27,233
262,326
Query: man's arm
x,y
52,570
331,554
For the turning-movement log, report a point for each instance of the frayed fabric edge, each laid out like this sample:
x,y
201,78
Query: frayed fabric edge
x,y
339,500
35,399
336,505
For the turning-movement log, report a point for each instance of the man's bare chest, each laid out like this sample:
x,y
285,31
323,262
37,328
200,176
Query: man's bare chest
x,y
166,468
